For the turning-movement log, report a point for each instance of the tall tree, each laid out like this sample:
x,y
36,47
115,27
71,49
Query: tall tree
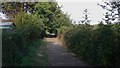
x,y
12,8
85,17
113,11
52,15
49,12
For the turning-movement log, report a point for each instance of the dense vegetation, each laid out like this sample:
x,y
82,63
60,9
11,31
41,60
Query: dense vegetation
x,y
31,20
97,44
48,12
16,43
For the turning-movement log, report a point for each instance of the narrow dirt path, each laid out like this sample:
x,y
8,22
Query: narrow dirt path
x,y
58,55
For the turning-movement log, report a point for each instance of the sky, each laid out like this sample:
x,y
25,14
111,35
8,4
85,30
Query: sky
x,y
76,8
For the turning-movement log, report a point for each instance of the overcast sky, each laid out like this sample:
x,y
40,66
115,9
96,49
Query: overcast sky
x,y
76,7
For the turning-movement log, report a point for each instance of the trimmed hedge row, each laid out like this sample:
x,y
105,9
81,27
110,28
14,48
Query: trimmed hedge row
x,y
96,45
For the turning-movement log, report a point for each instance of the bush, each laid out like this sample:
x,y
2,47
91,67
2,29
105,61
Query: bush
x,y
98,46
16,43
13,48
32,25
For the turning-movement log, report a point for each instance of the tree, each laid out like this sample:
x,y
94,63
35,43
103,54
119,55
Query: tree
x,y
50,13
86,20
53,17
12,8
113,11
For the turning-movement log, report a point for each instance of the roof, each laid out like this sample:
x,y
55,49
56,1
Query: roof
x,y
5,23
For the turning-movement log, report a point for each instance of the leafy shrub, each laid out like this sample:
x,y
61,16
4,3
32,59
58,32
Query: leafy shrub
x,y
32,25
16,43
98,46
12,48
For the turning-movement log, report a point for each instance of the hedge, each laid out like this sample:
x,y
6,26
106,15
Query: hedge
x,y
99,46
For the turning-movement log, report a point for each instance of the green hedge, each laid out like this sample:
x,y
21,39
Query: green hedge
x,y
15,43
96,45
13,48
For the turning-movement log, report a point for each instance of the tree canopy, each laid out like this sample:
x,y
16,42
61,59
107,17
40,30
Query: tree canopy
x,y
49,12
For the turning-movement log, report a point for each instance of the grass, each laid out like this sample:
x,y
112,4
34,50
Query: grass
x,y
37,55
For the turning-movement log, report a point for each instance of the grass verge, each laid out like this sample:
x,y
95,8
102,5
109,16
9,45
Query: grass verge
x,y
37,54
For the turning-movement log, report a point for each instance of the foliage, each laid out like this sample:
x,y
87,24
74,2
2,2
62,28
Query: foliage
x,y
13,47
52,16
31,25
49,13
113,11
32,58
16,47
86,18
16,43
98,46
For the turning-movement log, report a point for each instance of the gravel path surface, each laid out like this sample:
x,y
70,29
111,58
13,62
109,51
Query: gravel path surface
x,y
58,55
